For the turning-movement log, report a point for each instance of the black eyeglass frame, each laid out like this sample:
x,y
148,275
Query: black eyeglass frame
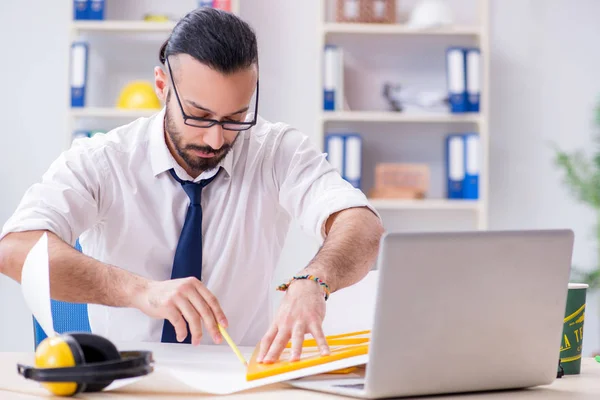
x,y
232,125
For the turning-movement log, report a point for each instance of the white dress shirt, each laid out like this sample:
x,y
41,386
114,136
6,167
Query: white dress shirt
x,y
115,194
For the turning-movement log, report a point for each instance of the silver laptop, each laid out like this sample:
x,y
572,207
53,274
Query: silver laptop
x,y
463,312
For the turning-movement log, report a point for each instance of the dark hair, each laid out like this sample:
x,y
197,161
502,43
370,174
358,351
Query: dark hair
x,y
214,37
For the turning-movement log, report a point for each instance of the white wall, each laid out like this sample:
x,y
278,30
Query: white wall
x,y
529,107
33,105
545,87
288,91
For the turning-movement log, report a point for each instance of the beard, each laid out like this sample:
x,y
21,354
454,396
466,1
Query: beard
x,y
195,163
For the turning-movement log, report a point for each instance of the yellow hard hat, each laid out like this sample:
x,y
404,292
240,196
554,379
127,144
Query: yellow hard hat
x,y
157,18
138,94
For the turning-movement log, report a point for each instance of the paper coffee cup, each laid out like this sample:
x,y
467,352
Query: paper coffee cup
x,y
572,339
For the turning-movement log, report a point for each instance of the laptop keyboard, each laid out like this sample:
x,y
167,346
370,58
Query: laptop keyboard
x,y
359,386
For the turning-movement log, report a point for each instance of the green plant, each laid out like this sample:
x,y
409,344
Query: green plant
x,y
582,177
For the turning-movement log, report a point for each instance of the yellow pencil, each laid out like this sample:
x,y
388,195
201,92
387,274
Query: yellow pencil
x,y
232,345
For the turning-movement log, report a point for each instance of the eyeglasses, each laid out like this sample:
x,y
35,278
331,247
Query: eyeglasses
x,y
207,122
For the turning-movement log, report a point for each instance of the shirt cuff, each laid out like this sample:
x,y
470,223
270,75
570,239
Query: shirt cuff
x,y
332,202
20,223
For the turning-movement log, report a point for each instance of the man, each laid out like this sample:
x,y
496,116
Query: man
x,y
182,216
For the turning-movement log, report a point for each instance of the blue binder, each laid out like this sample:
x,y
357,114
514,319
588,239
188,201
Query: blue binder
x,y
96,9
473,63
344,153
79,64
80,9
353,159
455,165
335,150
456,72
472,166
333,78
80,134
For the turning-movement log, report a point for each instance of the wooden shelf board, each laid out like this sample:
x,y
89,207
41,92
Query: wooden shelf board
x,y
108,112
424,204
122,26
390,116
398,29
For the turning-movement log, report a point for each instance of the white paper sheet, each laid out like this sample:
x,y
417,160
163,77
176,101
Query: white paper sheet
x,y
211,369
35,284
179,368
191,379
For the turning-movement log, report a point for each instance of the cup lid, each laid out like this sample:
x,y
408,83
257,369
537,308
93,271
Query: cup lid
x,y
578,286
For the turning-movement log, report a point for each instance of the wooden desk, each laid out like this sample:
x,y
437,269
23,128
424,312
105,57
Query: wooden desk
x,y
576,387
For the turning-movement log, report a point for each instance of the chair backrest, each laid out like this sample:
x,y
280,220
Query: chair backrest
x,y
67,317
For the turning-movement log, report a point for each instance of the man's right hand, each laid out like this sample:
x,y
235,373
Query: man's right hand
x,y
181,300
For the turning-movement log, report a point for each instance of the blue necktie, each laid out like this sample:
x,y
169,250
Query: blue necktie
x,y
188,256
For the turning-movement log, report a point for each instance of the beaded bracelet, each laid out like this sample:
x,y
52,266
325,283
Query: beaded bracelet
x,y
283,287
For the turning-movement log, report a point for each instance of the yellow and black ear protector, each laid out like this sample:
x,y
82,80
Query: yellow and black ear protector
x,y
83,362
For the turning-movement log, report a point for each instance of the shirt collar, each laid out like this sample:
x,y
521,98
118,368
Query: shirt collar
x,y
162,160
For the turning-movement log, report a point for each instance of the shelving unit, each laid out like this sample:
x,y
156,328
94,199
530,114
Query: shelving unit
x,y
127,32
442,123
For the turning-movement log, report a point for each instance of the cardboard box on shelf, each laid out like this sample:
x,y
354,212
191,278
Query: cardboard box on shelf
x,y
400,181
366,11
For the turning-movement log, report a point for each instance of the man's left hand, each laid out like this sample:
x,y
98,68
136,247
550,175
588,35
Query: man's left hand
x,y
301,311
